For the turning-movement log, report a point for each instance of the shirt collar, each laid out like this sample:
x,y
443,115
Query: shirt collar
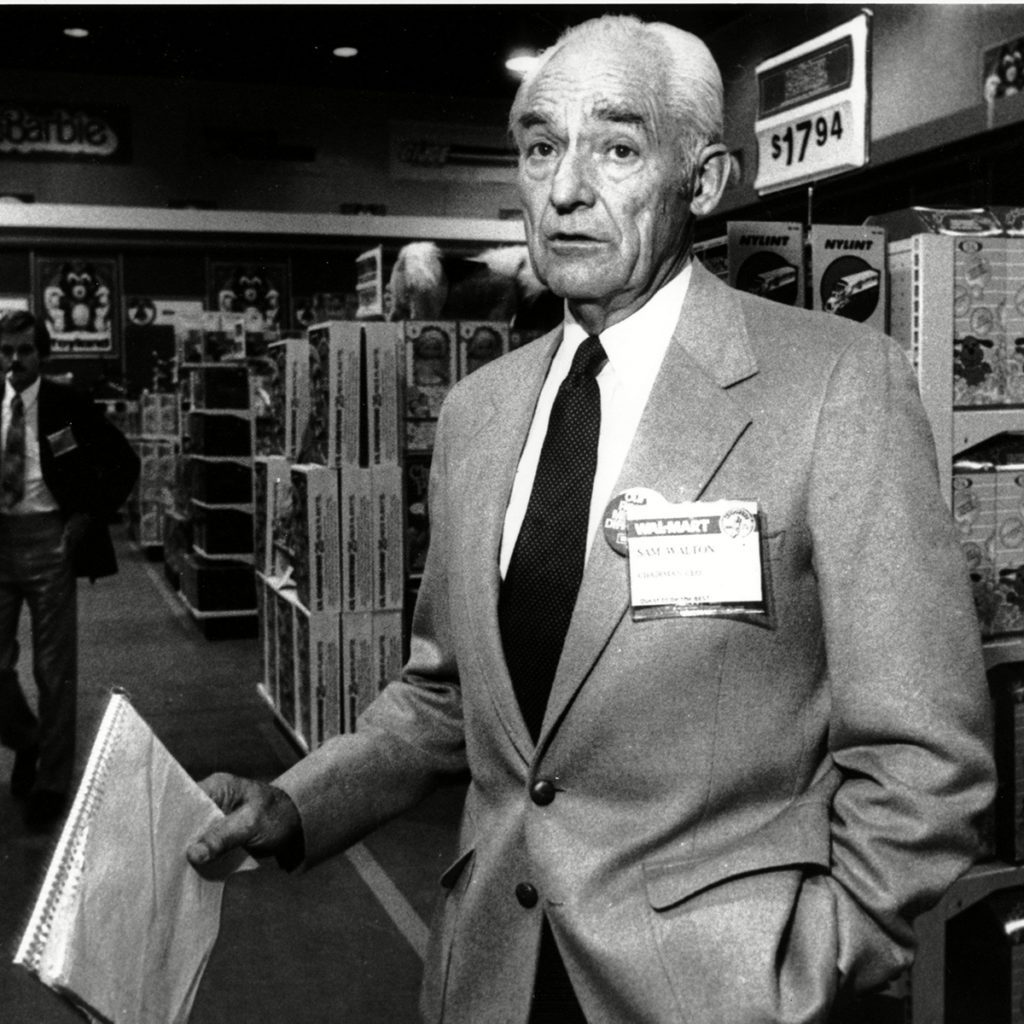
x,y
28,396
636,346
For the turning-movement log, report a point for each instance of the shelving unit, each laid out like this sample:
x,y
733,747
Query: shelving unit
x,y
923,311
217,582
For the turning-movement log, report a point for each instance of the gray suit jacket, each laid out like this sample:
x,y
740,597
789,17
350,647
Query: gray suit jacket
x,y
747,816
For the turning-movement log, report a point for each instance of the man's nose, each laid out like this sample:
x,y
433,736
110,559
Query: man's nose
x,y
572,185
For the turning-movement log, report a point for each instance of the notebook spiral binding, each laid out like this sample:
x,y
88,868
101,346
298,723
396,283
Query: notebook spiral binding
x,y
66,866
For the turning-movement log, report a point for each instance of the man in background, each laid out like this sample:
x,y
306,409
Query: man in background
x,y
64,470
729,817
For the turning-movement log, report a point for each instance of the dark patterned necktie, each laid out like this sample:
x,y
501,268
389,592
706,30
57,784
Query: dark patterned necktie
x,y
12,471
539,591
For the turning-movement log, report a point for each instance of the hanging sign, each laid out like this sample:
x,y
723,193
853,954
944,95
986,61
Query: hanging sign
x,y
814,108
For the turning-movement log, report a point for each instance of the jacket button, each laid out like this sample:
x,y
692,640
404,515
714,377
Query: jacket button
x,y
526,894
542,792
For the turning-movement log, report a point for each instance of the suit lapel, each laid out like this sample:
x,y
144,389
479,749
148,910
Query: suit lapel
x,y
689,426
494,446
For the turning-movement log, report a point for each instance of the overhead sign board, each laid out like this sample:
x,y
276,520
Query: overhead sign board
x,y
813,110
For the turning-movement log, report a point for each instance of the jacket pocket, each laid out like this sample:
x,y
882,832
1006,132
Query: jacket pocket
x,y
437,963
748,933
797,837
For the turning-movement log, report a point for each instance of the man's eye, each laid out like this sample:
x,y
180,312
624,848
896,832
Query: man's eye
x,y
540,149
623,152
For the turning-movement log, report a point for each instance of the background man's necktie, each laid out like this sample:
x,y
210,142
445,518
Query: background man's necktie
x,y
12,469
543,577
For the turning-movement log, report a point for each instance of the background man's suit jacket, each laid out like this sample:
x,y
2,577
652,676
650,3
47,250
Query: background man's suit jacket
x,y
747,815
88,467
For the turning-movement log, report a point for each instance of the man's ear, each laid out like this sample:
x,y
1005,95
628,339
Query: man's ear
x,y
709,179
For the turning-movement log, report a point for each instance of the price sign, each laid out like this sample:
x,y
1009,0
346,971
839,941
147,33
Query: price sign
x,y
813,108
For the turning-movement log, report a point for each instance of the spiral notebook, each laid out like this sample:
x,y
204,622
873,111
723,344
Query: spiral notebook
x,y
123,926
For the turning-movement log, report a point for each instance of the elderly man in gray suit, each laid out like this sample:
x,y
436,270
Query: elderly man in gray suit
x,y
726,817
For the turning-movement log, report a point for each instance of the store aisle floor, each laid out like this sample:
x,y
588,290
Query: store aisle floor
x,y
343,942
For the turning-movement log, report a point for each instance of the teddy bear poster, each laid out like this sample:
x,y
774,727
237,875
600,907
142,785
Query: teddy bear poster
x,y
77,297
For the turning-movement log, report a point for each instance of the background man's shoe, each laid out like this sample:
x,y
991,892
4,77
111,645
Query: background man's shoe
x,y
23,776
45,808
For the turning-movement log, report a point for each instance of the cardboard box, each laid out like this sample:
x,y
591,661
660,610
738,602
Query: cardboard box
x,y
387,649
317,672
357,538
266,609
269,375
297,396
389,539
848,273
335,428
384,373
431,368
271,494
315,534
1008,559
283,694
767,258
971,291
480,342
357,665
974,511
978,222
348,441
416,474
158,414
517,338
980,291
420,435
713,253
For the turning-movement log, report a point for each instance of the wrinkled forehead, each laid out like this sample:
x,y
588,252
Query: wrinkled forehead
x,y
592,83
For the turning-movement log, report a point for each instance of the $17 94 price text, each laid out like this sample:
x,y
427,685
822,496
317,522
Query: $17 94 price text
x,y
802,139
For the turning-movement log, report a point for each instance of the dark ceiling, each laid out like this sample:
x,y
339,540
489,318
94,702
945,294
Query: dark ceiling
x,y
434,49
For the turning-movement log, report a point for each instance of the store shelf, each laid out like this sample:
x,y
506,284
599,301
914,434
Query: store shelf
x,y
1003,649
151,220
223,613
973,426
217,506
928,975
245,460
241,556
245,414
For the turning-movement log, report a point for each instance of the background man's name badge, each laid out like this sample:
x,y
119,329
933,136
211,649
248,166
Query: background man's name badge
x,y
615,515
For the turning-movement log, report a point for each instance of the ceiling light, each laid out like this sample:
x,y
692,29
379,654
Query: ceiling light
x,y
344,51
521,61
76,33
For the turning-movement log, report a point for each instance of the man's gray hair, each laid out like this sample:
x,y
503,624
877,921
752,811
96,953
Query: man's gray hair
x,y
693,82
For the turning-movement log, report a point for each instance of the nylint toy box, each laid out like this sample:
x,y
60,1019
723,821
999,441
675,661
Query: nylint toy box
x,y
848,272
767,258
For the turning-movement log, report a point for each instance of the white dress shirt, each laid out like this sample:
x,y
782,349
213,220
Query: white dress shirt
x,y
37,495
635,348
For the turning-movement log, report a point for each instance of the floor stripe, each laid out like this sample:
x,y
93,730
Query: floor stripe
x,y
397,907
159,581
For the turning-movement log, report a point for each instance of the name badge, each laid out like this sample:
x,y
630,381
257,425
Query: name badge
x,y
62,441
695,558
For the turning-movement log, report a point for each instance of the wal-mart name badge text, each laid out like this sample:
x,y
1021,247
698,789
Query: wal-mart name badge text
x,y
695,558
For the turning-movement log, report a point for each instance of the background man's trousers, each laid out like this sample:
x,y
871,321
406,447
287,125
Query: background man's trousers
x,y
34,570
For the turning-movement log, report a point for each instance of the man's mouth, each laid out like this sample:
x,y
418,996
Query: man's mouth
x,y
572,239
